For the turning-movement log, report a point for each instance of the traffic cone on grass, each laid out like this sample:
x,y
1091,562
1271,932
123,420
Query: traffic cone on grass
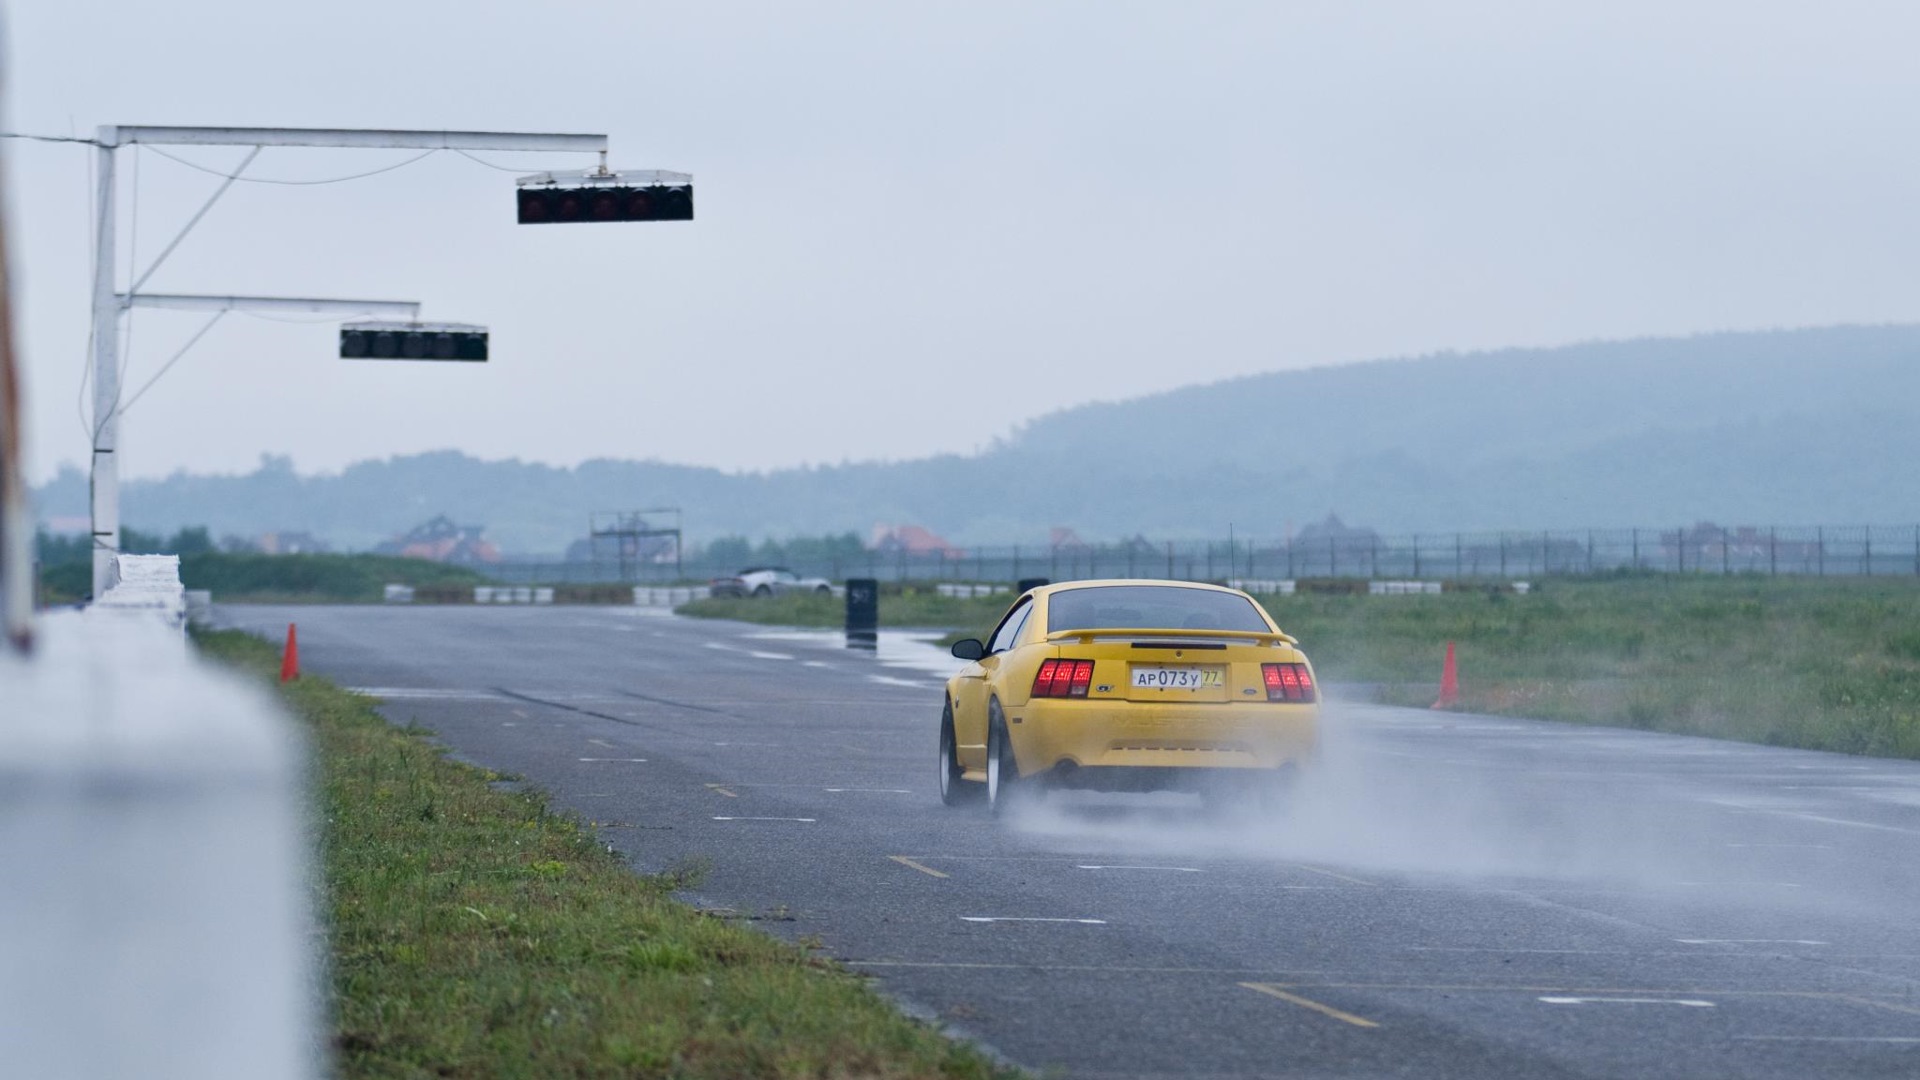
x,y
1449,682
290,659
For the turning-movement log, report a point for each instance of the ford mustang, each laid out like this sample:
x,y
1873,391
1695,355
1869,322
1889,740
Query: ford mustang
x,y
1131,686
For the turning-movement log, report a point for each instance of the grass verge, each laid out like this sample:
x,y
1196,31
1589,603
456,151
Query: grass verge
x,y
477,933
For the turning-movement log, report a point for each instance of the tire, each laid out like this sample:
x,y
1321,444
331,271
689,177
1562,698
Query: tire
x,y
1006,790
762,592
824,590
955,789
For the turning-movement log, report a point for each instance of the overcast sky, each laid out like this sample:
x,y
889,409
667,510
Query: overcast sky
x,y
920,224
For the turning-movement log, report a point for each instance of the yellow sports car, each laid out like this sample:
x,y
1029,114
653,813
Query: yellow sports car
x,y
1129,686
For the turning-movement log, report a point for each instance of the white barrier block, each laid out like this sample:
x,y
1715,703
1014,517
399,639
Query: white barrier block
x,y
399,594
483,594
153,916
543,595
144,585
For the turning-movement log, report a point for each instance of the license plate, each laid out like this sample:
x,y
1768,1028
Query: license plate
x,y
1177,678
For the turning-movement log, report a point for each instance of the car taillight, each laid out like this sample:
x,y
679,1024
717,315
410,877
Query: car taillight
x,y
1063,678
1287,682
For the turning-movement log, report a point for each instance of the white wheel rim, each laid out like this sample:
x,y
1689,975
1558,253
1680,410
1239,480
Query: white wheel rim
x,y
946,766
993,770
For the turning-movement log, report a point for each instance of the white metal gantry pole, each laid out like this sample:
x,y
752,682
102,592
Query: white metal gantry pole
x,y
104,489
107,305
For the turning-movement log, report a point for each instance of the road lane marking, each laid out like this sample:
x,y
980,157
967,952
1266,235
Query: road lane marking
x,y
423,693
805,819
1830,1038
1748,941
1691,1003
757,655
1029,918
718,789
815,663
719,646
631,759
928,870
603,743
882,790
1872,1003
888,680
1340,877
1176,869
1308,1003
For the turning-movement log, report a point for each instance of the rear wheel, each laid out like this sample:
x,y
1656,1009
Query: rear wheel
x,y
955,789
763,591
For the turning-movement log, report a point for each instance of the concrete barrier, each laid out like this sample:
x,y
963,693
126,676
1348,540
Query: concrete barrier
x,y
966,591
153,914
1263,586
399,594
145,586
669,596
1403,588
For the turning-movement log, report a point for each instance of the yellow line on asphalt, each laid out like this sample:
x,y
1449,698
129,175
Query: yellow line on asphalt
x,y
904,861
1309,1003
718,790
1340,877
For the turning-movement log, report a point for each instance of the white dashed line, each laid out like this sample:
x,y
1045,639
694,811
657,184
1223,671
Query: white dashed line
x,y
1175,869
408,693
809,820
1691,1003
1747,941
613,759
1830,1038
888,680
1014,918
881,790
769,655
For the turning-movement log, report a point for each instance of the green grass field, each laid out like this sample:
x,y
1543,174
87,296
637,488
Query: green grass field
x,y
476,933
1827,664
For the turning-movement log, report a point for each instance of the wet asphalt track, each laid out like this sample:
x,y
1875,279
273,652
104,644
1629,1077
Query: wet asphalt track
x,y
1454,896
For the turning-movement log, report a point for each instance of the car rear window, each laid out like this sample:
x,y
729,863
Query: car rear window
x,y
1151,607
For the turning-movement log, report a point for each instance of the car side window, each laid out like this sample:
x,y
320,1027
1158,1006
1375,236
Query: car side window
x,y
1010,628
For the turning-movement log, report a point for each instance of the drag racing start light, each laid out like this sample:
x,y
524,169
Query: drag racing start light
x,y
413,341
547,204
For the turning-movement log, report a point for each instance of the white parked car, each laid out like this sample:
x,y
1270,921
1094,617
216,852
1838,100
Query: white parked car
x,y
769,581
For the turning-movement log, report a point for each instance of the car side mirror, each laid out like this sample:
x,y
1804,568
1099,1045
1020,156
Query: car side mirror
x,y
969,649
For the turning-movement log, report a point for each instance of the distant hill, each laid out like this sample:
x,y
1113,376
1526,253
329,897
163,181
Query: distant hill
x,y
1797,426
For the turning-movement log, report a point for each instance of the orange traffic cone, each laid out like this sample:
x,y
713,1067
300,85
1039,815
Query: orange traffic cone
x,y
1449,682
290,659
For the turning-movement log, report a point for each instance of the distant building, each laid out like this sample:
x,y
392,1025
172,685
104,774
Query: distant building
x,y
910,540
1336,533
440,540
1062,539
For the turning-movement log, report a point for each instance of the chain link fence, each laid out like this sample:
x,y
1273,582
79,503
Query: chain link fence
x,y
1835,551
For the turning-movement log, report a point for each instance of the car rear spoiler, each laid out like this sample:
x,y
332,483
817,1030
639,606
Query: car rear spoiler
x,y
1087,636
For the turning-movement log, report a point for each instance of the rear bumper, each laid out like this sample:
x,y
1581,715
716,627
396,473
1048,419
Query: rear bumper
x,y
1049,734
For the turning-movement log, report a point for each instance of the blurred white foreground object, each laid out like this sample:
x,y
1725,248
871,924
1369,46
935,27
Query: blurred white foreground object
x,y
153,914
